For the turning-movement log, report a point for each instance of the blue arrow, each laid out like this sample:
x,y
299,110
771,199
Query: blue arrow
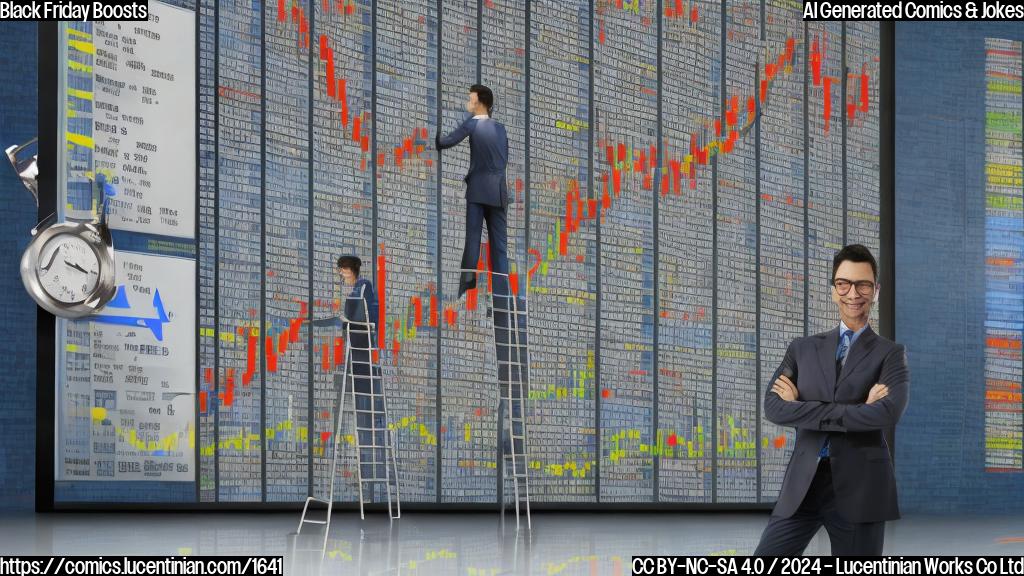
x,y
154,324
120,300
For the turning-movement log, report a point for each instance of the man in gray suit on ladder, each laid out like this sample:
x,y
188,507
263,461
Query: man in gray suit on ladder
x,y
486,189
841,390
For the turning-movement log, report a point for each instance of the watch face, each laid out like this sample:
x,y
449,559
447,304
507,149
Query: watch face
x,y
68,268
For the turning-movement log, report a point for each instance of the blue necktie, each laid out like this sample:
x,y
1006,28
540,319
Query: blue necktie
x,y
844,347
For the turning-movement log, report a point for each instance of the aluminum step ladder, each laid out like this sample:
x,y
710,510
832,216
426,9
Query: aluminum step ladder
x,y
363,382
509,321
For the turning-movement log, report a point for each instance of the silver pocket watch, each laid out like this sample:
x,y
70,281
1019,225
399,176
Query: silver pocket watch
x,y
68,267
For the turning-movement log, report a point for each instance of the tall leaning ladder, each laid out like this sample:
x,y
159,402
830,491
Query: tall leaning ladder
x,y
363,381
509,320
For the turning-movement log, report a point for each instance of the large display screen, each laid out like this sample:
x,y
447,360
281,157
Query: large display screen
x,y
682,173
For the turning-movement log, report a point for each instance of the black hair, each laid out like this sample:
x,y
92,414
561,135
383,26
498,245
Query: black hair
x,y
484,96
854,253
351,262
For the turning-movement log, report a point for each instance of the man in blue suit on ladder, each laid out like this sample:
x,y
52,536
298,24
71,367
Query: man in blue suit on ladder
x,y
486,189
487,200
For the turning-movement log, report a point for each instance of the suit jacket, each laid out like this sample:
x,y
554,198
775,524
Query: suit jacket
x,y
862,470
488,156
360,306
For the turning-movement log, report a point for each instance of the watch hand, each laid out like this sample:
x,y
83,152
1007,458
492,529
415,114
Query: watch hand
x,y
76,267
52,258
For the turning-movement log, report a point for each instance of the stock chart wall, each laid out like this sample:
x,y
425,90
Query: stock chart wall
x,y
959,202
682,172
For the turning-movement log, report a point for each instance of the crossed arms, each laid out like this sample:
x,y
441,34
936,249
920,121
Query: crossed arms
x,y
835,417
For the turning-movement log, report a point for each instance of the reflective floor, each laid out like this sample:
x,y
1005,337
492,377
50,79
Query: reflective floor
x,y
472,544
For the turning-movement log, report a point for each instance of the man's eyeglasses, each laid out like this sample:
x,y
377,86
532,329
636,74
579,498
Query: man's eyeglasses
x,y
864,287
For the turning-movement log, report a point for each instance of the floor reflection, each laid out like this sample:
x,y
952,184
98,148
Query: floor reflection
x,y
471,544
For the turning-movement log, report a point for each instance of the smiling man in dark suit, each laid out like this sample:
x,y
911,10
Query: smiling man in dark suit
x,y
841,390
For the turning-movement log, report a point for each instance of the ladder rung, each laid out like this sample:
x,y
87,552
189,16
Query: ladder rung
x,y
314,522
